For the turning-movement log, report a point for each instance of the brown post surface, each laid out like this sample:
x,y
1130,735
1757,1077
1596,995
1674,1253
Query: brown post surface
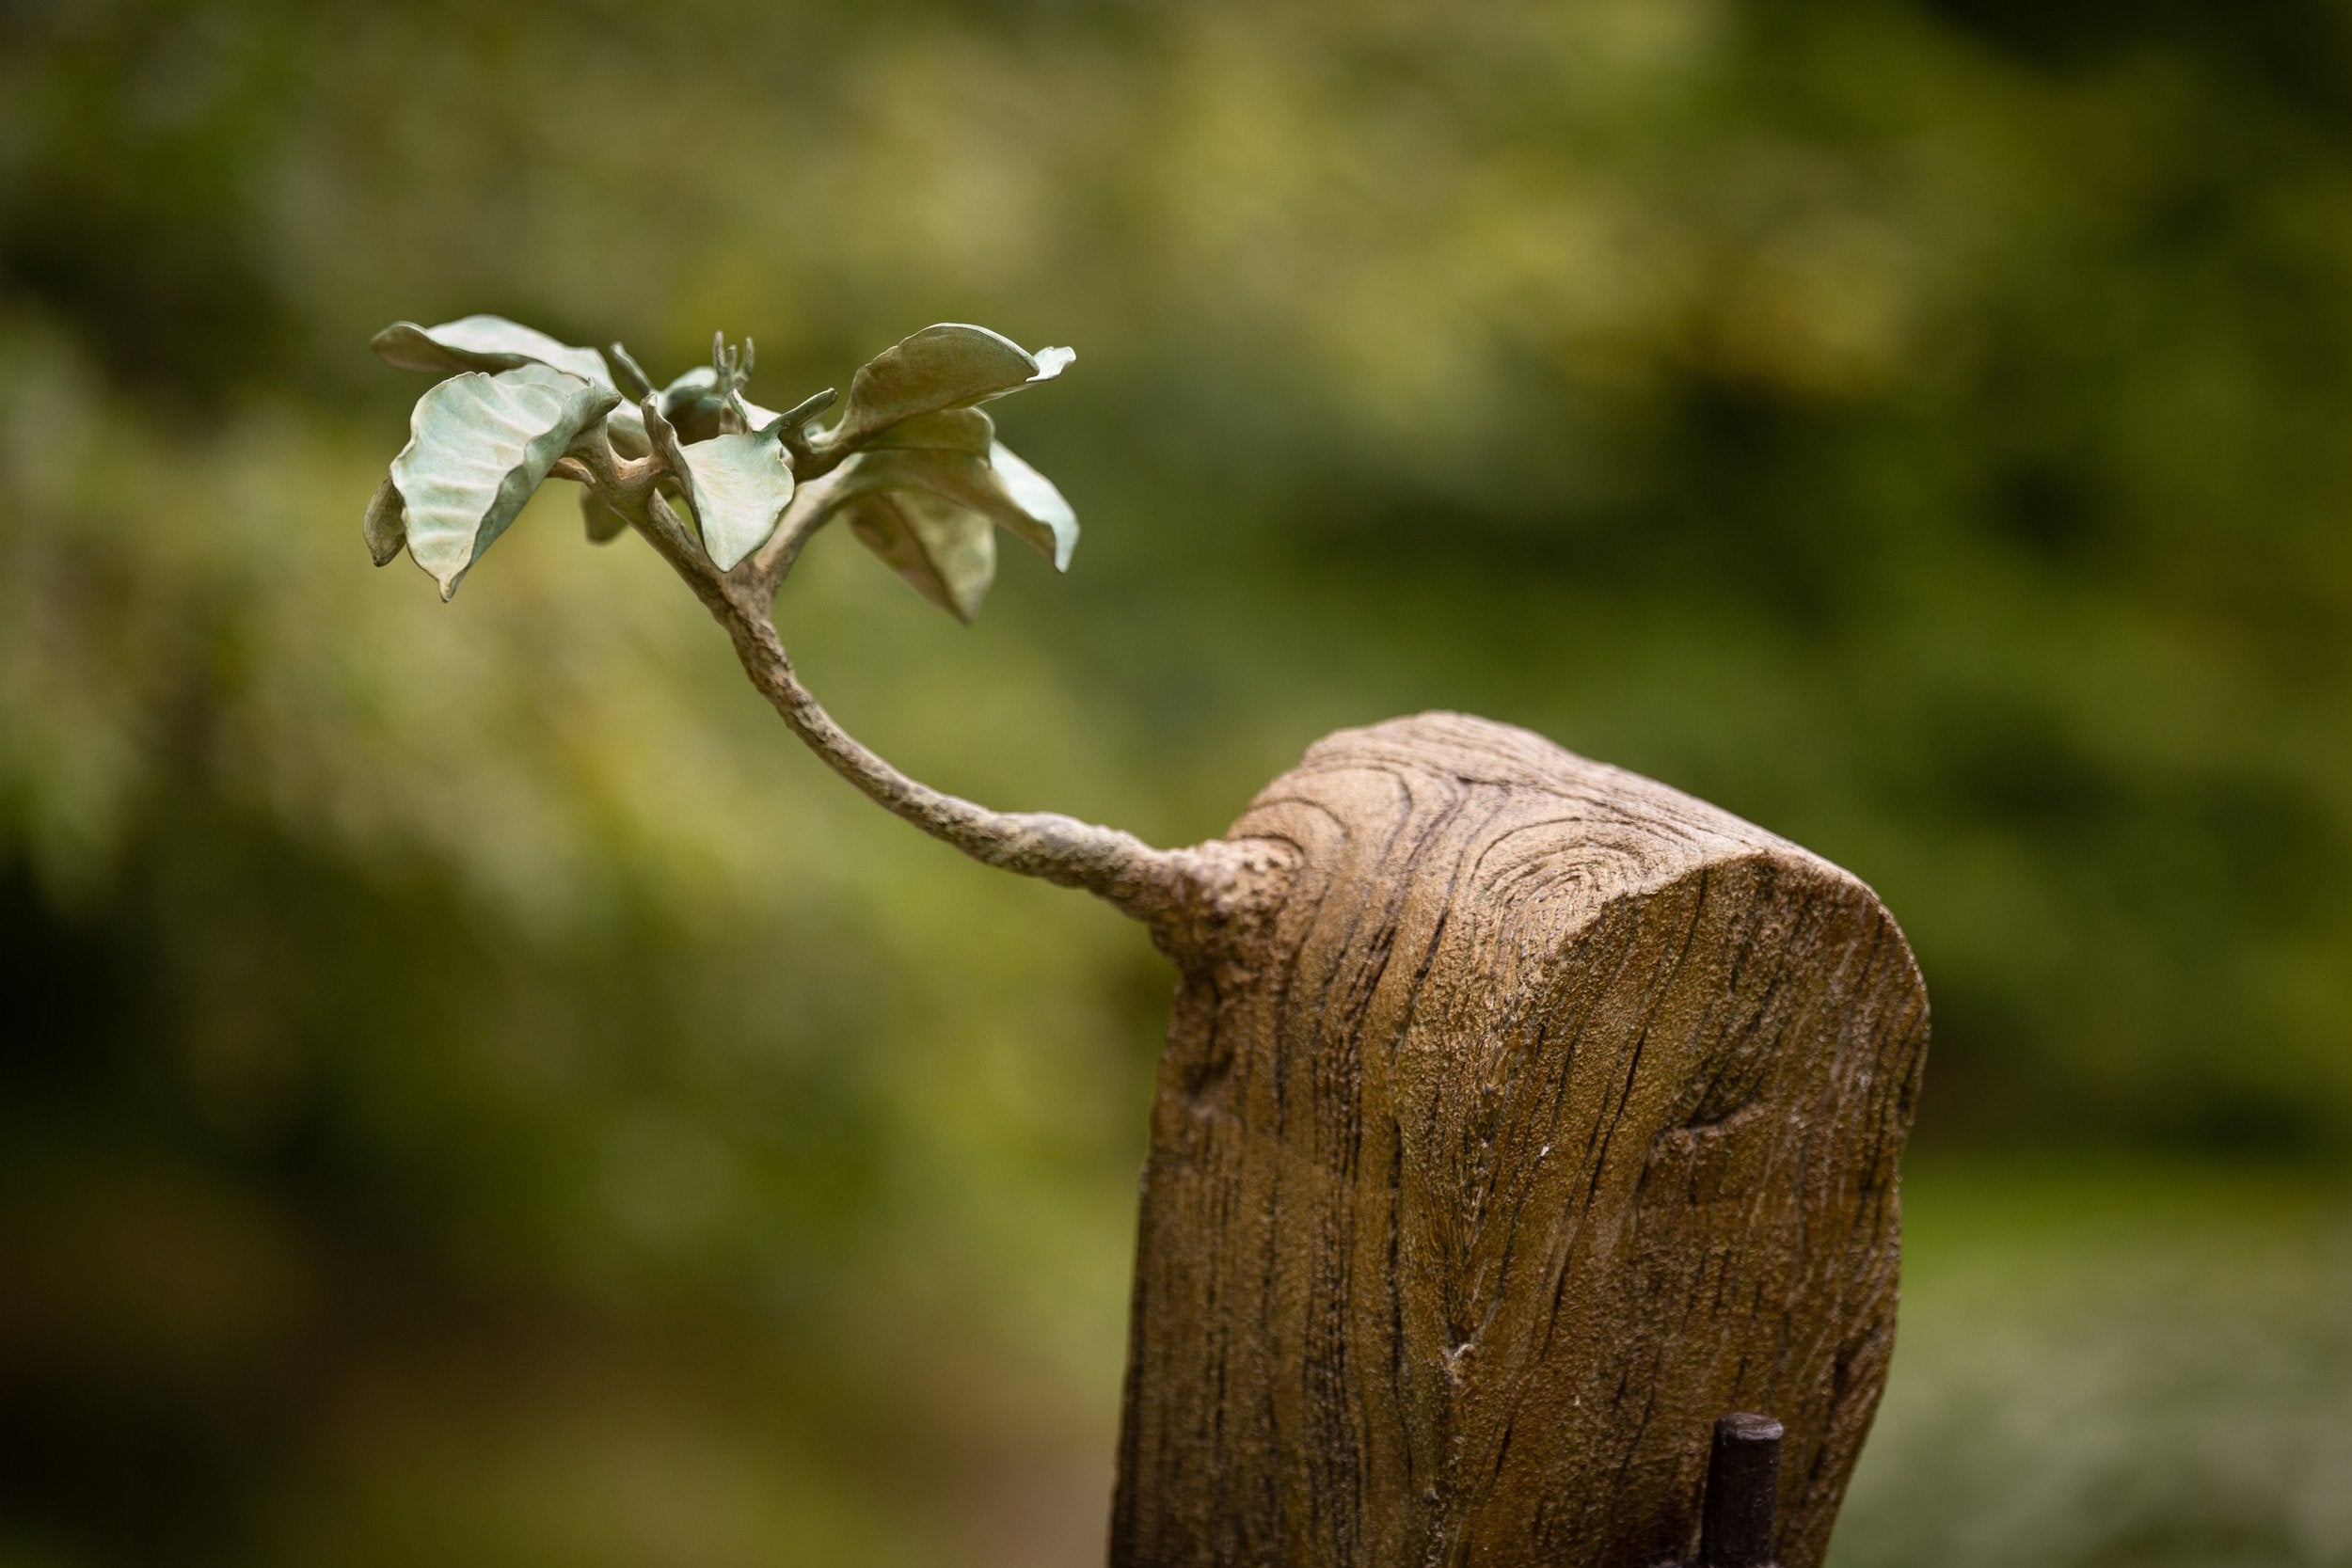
x,y
1547,1116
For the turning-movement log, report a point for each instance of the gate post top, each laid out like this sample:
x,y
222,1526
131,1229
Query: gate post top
x,y
1550,1113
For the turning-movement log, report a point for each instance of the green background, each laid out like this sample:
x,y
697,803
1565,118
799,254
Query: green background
x,y
472,1091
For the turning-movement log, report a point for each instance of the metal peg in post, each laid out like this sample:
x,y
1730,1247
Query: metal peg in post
x,y
1737,1519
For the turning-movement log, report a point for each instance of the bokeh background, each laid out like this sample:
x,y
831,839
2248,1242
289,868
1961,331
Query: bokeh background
x,y
472,1092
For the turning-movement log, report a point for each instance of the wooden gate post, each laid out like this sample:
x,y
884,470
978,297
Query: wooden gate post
x,y
1544,1115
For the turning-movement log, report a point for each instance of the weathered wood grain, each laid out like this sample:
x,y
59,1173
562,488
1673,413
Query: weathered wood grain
x,y
1546,1116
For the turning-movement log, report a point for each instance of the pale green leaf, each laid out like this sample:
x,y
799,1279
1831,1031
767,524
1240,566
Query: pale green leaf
x,y
1000,487
737,486
965,429
946,552
661,437
626,428
604,524
479,446
1051,527
693,403
385,524
947,366
485,343
627,375
696,405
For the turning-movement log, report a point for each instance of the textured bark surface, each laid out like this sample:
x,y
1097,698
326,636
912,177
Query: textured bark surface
x,y
1543,1116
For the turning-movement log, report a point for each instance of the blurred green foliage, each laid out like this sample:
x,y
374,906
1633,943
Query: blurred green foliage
x,y
472,1091
2113,1365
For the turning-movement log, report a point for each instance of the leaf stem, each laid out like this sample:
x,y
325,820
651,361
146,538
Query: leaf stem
x,y
1164,888
1185,896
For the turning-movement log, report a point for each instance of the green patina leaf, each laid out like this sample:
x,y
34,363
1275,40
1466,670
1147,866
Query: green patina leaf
x,y
737,486
627,374
1000,487
485,343
660,435
604,524
965,429
694,404
946,552
756,416
385,524
923,506
1042,519
947,366
479,446
626,427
